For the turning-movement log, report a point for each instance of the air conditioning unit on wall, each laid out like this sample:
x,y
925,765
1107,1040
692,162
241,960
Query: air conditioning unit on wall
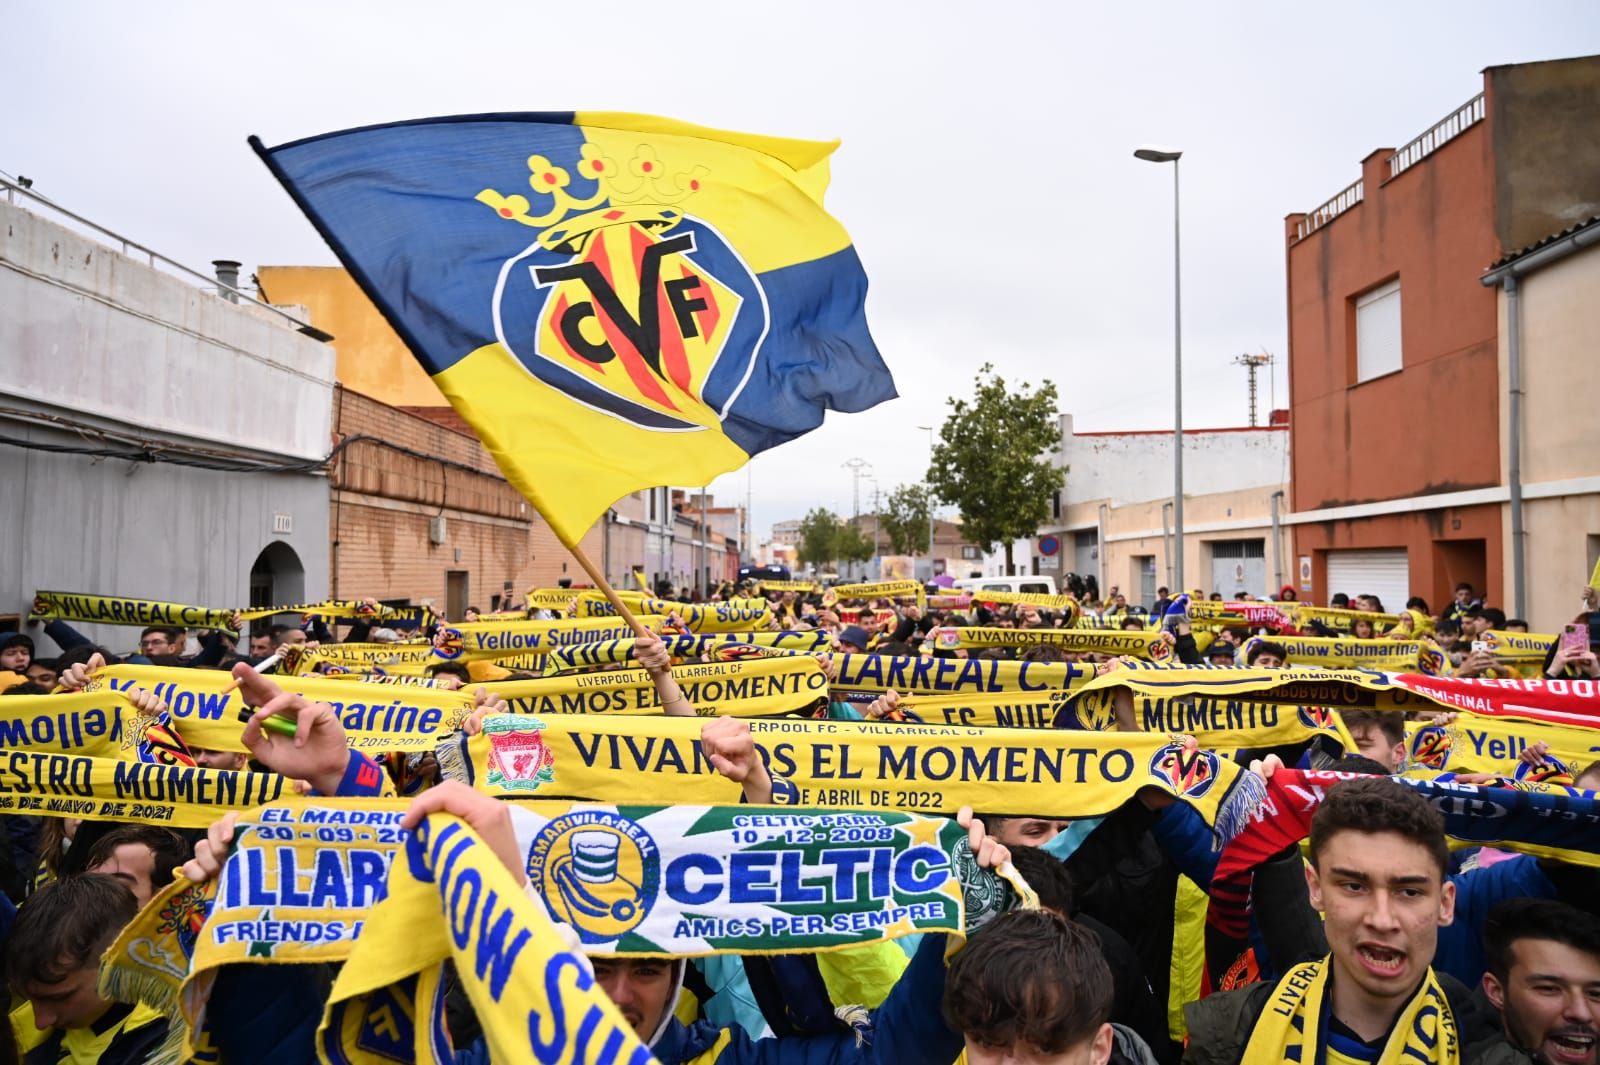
x,y
436,530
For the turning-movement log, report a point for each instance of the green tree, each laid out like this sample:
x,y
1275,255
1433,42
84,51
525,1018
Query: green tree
x,y
854,545
905,519
819,537
993,460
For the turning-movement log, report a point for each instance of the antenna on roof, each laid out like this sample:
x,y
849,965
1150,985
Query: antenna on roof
x,y
1252,363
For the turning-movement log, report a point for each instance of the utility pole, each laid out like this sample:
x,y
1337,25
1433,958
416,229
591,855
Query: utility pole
x,y
1252,363
856,466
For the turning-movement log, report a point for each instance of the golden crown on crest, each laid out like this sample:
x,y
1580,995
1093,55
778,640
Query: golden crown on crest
x,y
642,193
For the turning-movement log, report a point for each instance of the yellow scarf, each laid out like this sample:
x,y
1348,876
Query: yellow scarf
x,y
355,657
88,723
1290,1029
1397,656
840,763
790,586
107,789
476,640
683,645
375,718
1058,603
880,590
1474,744
1137,643
763,687
1339,618
127,610
870,675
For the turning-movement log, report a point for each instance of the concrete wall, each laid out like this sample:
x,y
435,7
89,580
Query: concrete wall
x,y
97,341
1560,312
104,336
1135,467
1433,228
1546,154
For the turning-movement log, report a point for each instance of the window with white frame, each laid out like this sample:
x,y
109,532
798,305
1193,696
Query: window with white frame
x,y
1378,332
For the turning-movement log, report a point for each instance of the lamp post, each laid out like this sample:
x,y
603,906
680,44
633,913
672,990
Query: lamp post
x,y
929,491
1153,154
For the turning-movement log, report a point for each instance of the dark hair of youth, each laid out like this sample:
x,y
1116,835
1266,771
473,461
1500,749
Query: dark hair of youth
x,y
167,848
171,632
65,926
27,687
1266,647
82,653
1043,653
1047,875
1379,804
1546,919
895,648
1418,603
455,669
1360,763
1392,726
1029,978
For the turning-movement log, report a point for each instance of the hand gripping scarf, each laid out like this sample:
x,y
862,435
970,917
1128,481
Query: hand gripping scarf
x,y
1473,744
842,763
1140,644
637,881
1290,1030
1398,656
748,688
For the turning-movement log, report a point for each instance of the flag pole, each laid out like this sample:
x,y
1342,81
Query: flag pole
x,y
605,587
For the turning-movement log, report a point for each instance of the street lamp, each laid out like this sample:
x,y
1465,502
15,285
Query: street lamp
x,y
929,490
1153,154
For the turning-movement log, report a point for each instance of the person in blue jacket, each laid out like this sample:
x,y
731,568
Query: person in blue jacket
x,y
279,1017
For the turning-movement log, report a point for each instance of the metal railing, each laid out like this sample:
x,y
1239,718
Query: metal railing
x,y
1321,216
1442,132
154,258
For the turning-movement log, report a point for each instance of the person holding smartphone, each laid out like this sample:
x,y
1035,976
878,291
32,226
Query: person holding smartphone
x,y
1573,654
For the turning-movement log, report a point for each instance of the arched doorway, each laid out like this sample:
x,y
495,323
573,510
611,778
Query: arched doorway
x,y
277,576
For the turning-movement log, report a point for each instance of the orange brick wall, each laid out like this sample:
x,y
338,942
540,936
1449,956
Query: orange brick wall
x,y
383,500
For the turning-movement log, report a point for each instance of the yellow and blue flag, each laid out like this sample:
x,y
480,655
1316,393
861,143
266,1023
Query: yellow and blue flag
x,y
613,301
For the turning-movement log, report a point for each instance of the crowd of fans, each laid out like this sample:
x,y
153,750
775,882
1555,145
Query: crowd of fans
x,y
1090,976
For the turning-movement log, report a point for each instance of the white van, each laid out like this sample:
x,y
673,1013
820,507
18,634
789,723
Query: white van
x,y
1036,585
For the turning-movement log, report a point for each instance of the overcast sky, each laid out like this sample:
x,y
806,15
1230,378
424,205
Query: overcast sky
x,y
986,173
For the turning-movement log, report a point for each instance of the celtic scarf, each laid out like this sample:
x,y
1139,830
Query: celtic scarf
x,y
841,763
1138,643
1399,656
1291,1027
302,878
1473,744
748,688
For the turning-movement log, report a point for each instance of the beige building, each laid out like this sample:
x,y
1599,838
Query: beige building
x,y
1113,518
1549,321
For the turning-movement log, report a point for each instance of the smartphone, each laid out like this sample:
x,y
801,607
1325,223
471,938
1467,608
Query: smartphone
x,y
1482,645
1575,639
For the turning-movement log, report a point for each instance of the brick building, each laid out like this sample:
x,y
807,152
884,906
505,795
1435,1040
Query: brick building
x,y
1404,474
419,511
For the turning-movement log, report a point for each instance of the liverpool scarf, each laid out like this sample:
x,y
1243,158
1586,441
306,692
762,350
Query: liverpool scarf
x,y
840,763
1291,1029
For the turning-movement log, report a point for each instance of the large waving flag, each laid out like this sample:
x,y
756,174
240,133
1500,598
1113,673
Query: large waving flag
x,y
613,301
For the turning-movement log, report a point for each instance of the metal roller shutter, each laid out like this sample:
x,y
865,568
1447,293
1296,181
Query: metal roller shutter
x,y
1383,572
